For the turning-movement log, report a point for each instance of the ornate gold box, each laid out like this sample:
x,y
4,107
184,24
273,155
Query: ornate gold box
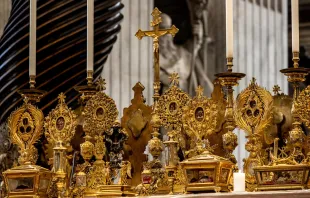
x,y
282,177
207,172
27,181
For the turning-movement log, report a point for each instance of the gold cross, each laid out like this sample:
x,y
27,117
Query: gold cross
x,y
155,34
199,91
61,98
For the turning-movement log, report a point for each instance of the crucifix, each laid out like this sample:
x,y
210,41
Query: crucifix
x,y
155,34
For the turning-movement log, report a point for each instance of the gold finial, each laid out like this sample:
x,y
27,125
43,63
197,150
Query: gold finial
x,y
26,100
276,89
101,84
61,98
199,91
174,79
253,81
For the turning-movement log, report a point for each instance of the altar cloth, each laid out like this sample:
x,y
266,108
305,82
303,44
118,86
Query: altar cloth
x,y
262,194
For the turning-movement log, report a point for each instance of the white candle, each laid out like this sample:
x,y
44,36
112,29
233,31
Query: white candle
x,y
229,28
239,182
90,35
295,25
33,38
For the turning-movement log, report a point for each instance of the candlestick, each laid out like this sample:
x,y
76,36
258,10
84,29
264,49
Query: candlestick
x,y
295,25
239,182
229,28
90,35
32,37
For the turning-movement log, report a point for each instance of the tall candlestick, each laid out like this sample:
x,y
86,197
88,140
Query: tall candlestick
x,y
229,28
90,35
32,38
295,25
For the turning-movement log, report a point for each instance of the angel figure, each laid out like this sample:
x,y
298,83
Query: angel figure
x,y
125,172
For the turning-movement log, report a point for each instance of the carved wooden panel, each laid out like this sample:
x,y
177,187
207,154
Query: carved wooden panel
x,y
136,120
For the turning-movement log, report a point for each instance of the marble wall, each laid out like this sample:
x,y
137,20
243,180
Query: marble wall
x,y
260,48
131,60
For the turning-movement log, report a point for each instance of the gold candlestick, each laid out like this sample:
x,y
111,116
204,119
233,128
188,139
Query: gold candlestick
x,y
230,79
296,75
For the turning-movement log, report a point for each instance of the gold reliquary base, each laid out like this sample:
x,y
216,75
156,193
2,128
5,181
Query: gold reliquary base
x,y
110,191
282,177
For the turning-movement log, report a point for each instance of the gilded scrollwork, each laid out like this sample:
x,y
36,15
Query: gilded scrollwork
x,y
26,124
170,109
60,123
253,114
100,112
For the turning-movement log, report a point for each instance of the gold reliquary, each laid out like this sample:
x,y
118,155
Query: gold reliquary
x,y
28,179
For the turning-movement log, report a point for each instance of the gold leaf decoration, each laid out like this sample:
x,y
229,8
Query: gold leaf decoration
x,y
200,116
253,109
60,123
100,112
25,126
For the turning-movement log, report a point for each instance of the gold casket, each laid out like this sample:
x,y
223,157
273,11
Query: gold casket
x,y
207,172
27,181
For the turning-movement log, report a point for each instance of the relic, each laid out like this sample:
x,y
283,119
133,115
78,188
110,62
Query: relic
x,y
26,180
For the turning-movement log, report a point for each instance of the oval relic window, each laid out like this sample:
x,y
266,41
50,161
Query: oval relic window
x,y
173,107
60,123
99,113
199,114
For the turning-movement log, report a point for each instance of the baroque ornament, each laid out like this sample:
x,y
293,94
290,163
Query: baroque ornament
x,y
26,124
100,112
253,113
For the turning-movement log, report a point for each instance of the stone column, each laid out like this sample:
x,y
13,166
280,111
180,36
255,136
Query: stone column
x,y
131,59
5,8
260,48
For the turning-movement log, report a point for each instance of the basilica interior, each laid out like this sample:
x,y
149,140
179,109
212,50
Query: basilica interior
x,y
163,98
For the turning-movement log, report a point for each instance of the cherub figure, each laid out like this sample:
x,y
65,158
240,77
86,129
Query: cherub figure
x,y
125,172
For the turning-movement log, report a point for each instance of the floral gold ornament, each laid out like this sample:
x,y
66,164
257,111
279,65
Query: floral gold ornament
x,y
25,125
170,109
204,171
60,127
200,117
253,114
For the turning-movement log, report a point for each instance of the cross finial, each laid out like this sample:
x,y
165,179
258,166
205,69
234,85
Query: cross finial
x,y
61,98
276,89
199,91
174,79
101,84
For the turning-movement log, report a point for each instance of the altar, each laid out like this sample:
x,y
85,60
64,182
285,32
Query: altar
x,y
190,139
273,194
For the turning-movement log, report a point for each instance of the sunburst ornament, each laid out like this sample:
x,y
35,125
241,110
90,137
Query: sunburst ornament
x,y
174,79
101,84
253,108
200,116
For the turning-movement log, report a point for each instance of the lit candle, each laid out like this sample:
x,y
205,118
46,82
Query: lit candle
x,y
90,35
229,29
295,25
32,37
239,182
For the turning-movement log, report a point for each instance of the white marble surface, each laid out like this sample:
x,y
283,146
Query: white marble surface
x,y
267,194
